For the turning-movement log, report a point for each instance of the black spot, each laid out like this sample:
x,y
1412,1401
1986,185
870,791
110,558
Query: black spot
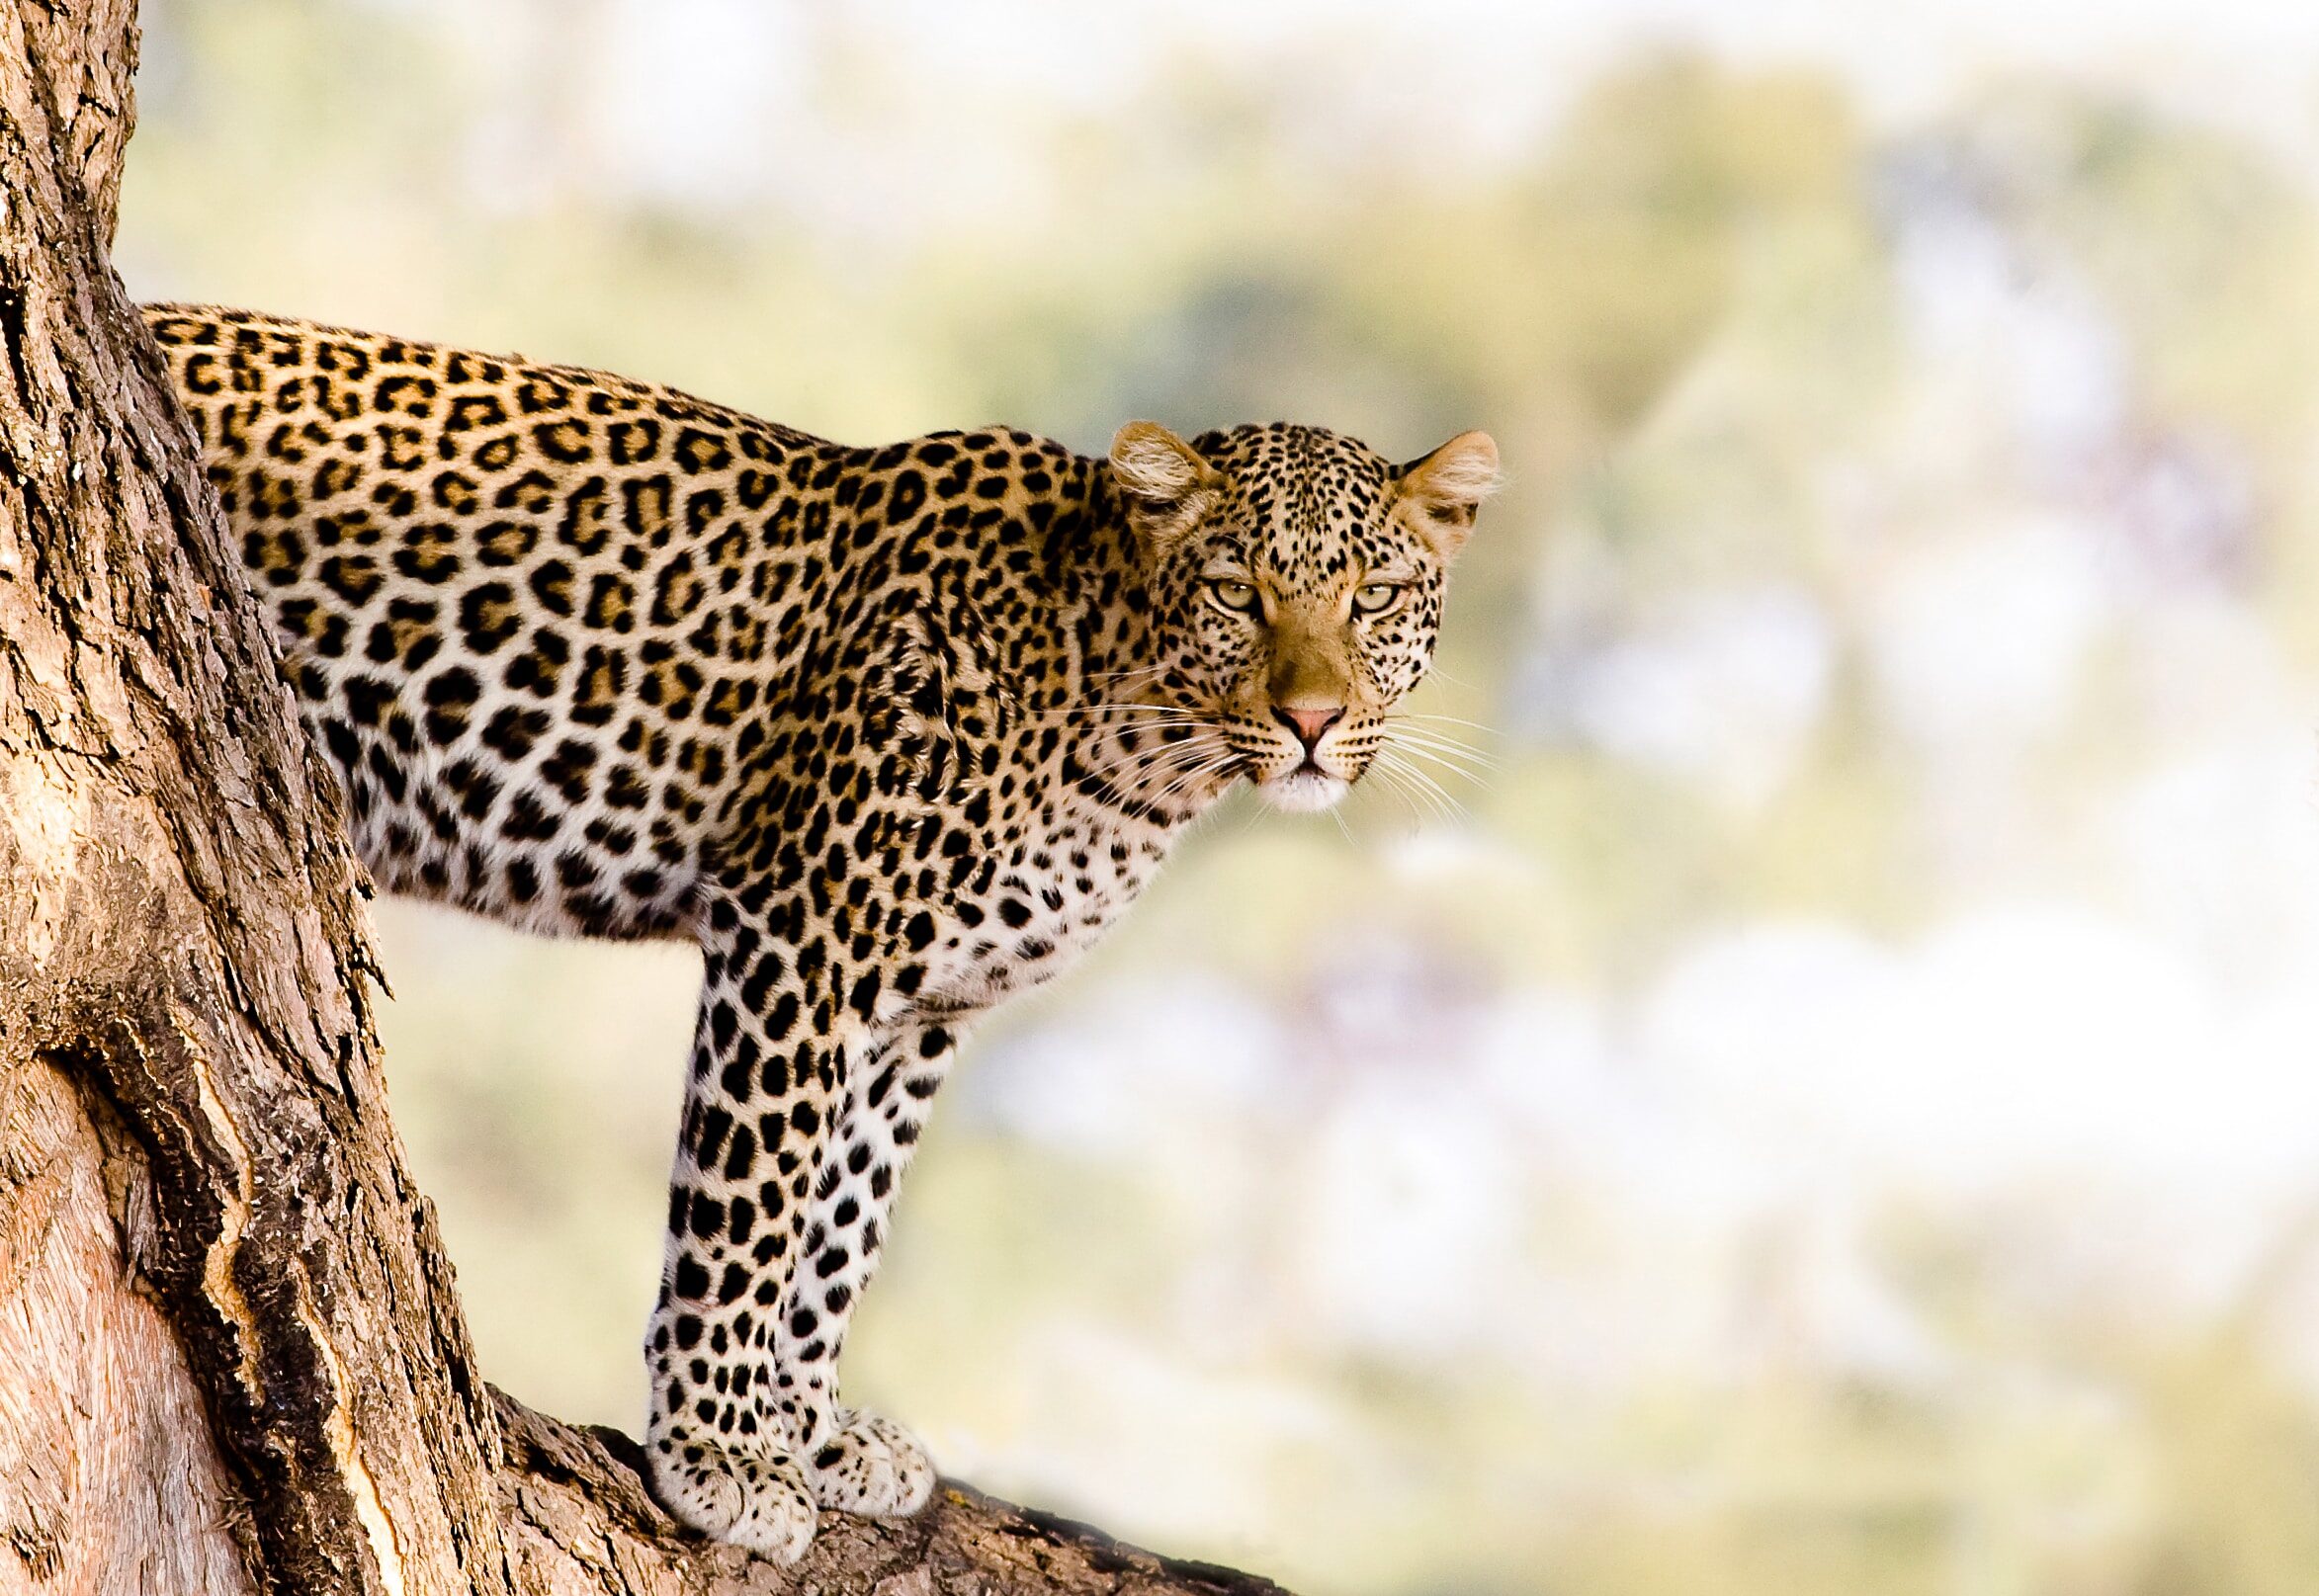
x,y
472,411
528,820
551,586
449,695
367,698
353,577
567,770
565,442
707,1216
487,615
634,442
742,1157
514,732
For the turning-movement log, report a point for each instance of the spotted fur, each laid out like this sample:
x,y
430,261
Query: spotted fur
x,y
892,733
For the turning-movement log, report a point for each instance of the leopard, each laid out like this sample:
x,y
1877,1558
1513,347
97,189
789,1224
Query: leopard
x,y
892,733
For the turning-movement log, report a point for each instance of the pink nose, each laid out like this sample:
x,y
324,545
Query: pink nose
x,y
1310,725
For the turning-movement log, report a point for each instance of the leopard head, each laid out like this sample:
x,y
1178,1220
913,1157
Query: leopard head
x,y
1296,581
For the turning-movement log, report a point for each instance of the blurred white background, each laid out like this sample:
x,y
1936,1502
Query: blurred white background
x,y
1835,1107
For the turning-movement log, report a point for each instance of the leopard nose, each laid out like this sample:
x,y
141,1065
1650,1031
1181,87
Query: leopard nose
x,y
1310,725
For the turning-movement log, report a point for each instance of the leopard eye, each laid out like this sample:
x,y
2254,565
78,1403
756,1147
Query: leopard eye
x,y
1375,598
1237,596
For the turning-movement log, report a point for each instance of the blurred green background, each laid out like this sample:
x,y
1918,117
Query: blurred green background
x,y
1835,1108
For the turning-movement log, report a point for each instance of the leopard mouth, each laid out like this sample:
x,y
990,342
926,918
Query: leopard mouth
x,y
1307,788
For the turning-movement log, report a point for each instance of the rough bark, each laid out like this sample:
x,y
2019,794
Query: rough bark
x,y
232,1357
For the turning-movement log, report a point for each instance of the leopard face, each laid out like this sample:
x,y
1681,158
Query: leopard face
x,y
1296,580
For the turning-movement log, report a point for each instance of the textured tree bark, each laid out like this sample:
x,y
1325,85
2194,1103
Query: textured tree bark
x,y
232,1357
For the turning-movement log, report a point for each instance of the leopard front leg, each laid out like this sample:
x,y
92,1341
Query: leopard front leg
x,y
858,1462
768,1078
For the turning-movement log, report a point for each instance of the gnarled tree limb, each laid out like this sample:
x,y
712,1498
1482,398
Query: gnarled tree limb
x,y
232,1357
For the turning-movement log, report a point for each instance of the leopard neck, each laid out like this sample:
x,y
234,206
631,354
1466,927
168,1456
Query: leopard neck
x,y
1129,746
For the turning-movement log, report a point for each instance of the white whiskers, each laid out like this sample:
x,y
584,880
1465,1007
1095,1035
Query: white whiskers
x,y
1404,744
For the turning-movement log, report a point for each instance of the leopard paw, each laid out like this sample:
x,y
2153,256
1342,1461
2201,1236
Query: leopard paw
x,y
872,1465
760,1501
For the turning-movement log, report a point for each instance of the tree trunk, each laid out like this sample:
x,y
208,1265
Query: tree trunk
x,y
232,1357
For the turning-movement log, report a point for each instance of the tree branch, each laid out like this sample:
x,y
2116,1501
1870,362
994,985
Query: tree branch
x,y
581,1520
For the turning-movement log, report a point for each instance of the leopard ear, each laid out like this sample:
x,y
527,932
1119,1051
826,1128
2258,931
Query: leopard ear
x,y
1443,489
1168,484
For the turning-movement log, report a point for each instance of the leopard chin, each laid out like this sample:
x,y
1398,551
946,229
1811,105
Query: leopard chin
x,y
1304,790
